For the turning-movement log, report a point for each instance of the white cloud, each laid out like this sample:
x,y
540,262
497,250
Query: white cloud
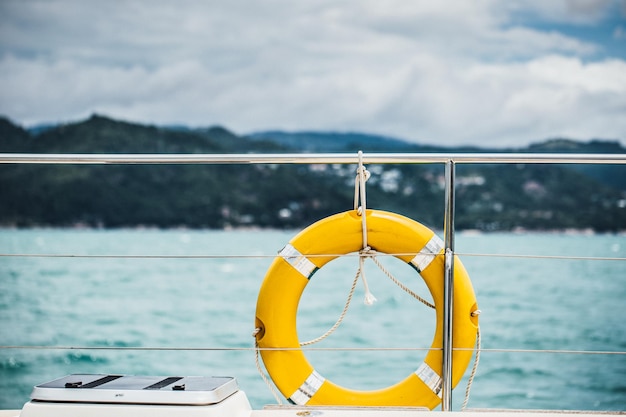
x,y
453,72
596,77
556,96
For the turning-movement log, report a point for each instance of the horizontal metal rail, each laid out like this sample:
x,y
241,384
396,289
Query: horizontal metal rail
x,y
310,158
313,255
309,348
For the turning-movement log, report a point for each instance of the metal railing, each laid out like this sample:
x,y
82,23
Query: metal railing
x,y
317,158
449,159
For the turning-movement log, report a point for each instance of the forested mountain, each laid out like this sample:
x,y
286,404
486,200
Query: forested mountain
x,y
489,197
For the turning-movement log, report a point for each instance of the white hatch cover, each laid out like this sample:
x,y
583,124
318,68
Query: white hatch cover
x,y
131,389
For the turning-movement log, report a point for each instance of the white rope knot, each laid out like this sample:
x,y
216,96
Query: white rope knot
x,y
362,173
364,253
367,252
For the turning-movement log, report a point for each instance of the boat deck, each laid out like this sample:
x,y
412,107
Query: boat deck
x,y
390,412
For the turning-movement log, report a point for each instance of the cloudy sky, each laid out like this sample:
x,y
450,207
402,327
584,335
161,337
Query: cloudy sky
x,y
490,72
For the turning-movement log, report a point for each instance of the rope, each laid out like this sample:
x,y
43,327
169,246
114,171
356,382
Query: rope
x,y
362,175
369,297
341,317
258,367
474,368
400,284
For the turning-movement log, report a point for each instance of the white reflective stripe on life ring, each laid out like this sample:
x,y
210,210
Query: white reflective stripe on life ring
x,y
308,389
432,248
298,260
430,378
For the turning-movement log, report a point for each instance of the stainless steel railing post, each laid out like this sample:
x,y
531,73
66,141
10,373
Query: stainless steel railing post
x,y
448,292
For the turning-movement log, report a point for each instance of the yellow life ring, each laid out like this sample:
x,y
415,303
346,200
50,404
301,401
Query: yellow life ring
x,y
339,234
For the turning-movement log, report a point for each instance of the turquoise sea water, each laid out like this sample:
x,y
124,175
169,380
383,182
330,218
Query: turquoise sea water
x,y
208,304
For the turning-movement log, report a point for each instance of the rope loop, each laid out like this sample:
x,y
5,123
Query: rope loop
x,y
362,175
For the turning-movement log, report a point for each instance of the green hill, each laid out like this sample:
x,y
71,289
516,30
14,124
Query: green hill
x,y
489,197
